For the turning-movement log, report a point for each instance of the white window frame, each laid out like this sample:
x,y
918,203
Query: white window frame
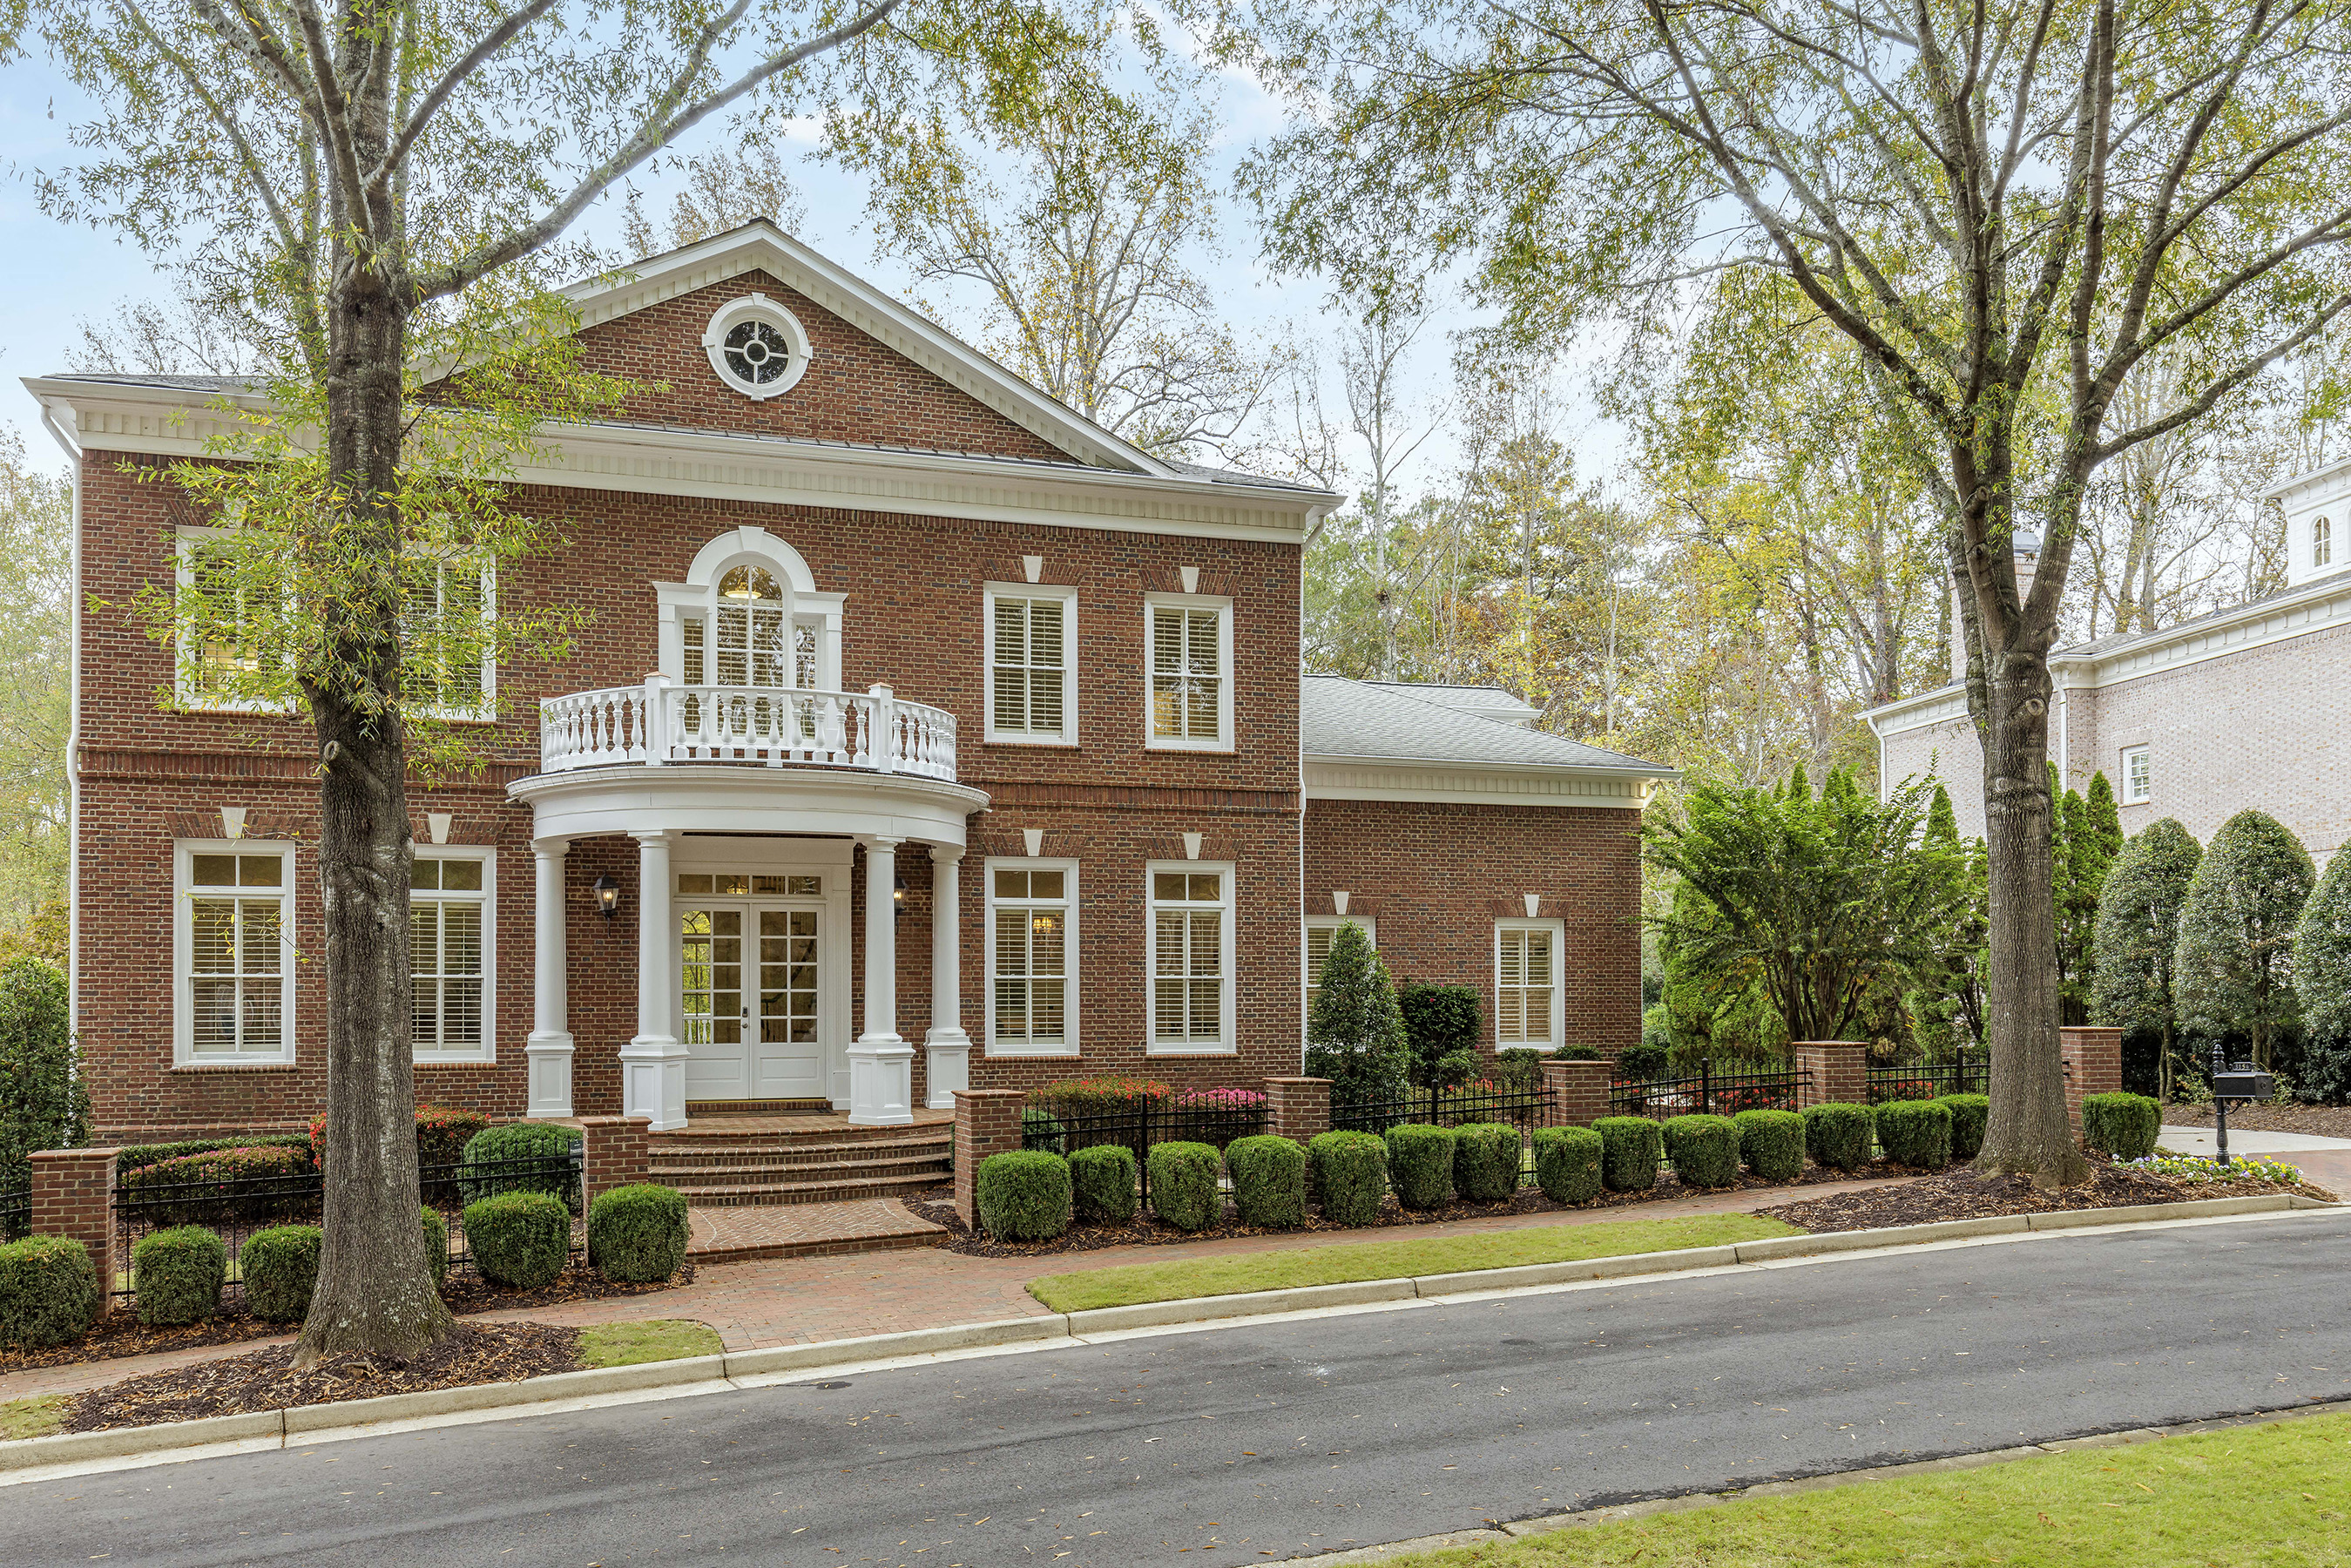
x,y
2321,543
2138,787
1070,954
187,691
488,899
183,1003
486,710
1068,734
1223,606
1370,929
1227,1043
1558,929
757,307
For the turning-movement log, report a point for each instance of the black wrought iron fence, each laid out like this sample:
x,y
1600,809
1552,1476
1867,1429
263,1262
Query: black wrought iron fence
x,y
1136,1129
15,1213
1713,1093
1444,1108
1968,1074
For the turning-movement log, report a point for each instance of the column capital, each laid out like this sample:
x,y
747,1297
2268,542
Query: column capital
x,y
880,842
655,835
946,853
550,846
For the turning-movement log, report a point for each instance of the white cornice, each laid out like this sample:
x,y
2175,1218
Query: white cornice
x,y
1473,784
1937,706
2326,477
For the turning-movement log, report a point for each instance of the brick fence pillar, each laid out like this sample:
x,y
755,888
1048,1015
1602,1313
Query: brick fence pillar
x,y
1577,1092
1297,1108
2093,1065
73,1194
987,1121
1836,1072
612,1154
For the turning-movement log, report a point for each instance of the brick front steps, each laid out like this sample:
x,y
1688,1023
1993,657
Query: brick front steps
x,y
759,1162
741,1232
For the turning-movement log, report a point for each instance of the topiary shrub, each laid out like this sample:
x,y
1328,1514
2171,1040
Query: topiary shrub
x,y
1771,1143
48,1292
1704,1150
178,1274
1354,1030
638,1233
1567,1164
1023,1197
436,1246
484,1172
1420,1164
1630,1147
1351,1175
279,1267
1916,1132
519,1240
1184,1185
2124,1126
1485,1158
1839,1136
1041,1132
1101,1179
1268,1181
1968,1114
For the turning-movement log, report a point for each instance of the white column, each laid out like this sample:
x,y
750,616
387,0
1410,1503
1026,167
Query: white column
x,y
653,1065
550,1045
880,1065
947,1048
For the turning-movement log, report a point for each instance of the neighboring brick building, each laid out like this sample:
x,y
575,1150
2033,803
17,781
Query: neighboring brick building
x,y
865,612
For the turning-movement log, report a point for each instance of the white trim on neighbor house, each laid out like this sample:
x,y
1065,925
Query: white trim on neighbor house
x,y
1035,592
183,1007
1072,958
1227,1043
486,898
1557,930
1222,607
1478,783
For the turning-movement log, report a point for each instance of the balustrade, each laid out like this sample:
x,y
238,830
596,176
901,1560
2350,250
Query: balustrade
x,y
659,723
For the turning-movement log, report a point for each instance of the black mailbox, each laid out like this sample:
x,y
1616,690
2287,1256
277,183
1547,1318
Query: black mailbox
x,y
2243,1081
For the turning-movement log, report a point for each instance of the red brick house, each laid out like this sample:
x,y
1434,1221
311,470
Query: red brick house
x,y
923,736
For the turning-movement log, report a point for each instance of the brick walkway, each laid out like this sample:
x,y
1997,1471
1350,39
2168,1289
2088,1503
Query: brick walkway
x,y
734,1232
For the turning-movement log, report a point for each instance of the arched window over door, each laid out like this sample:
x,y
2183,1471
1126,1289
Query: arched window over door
x,y
748,615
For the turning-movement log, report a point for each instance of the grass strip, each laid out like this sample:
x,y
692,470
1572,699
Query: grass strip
x,y
653,1339
2252,1496
1189,1278
31,1418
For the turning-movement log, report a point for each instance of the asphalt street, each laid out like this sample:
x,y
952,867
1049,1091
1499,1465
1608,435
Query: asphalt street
x,y
1247,1443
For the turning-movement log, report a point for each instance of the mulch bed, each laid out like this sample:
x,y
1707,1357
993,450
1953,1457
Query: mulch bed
x,y
1960,1194
2318,1120
265,1379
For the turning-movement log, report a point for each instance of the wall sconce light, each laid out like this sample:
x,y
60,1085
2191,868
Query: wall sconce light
x,y
898,898
608,895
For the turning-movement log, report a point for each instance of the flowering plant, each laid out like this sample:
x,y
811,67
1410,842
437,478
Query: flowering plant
x,y
2198,1168
1083,1096
1220,1100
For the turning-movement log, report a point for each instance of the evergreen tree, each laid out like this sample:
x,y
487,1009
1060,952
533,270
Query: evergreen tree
x,y
42,1102
1946,997
1799,785
1942,820
2105,818
2234,966
2138,936
2321,980
2083,842
1355,1037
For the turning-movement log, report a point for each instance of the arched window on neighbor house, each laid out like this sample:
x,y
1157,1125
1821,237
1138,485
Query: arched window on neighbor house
x,y
2322,542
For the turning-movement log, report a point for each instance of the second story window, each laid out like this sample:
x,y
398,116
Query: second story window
x,y
1031,694
1189,647
2138,776
224,619
446,631
2321,543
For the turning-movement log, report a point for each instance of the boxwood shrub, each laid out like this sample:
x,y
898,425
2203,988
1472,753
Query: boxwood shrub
x,y
1420,1164
1101,1178
1968,1114
1629,1147
436,1245
1486,1161
1184,1185
1916,1132
178,1275
280,1268
1567,1164
544,1141
48,1292
1839,1135
1704,1150
1023,1196
139,1156
1351,1175
1771,1143
1041,1132
207,1182
637,1233
2124,1126
1268,1181
519,1240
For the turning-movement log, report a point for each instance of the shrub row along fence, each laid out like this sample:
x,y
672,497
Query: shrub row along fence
x,y
1525,1108
1969,1074
1189,1120
1711,1093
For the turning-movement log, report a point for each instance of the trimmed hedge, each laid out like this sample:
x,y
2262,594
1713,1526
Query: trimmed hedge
x,y
1704,1150
48,1292
1839,1135
139,1156
1916,1132
1629,1150
214,1171
280,1268
178,1274
442,1134
1771,1143
1102,1180
1351,1175
1184,1185
519,1240
1567,1164
637,1233
1023,1195
1486,1161
519,1141
1968,1114
436,1245
1268,1181
1420,1164
2124,1126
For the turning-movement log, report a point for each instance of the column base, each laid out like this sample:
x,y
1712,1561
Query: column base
x,y
652,1081
946,1054
881,1082
550,1076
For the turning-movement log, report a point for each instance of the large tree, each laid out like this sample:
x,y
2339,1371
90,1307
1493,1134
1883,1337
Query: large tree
x,y
2234,963
2007,206
36,687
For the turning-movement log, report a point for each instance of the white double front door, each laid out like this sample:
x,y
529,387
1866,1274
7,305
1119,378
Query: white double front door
x,y
762,967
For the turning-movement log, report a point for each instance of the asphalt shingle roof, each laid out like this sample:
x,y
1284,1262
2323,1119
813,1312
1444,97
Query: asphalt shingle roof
x,y
1340,718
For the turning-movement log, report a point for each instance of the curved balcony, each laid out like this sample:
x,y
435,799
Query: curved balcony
x,y
660,723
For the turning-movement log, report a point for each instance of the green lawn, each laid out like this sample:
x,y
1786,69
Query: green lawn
x,y
655,1339
1186,1280
2261,1496
31,1418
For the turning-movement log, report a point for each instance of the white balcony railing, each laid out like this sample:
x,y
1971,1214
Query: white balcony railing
x,y
658,723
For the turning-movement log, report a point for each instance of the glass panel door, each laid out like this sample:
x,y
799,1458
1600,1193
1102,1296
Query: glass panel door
x,y
710,961
790,1058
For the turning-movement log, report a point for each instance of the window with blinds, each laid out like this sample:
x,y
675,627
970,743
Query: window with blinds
x,y
1028,676
1191,688
1526,988
448,954
235,984
1031,959
1191,958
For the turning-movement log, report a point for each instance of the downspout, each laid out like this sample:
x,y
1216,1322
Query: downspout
x,y
64,438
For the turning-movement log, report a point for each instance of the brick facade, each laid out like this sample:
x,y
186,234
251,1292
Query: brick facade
x,y
1836,1072
987,1121
2093,1065
73,1196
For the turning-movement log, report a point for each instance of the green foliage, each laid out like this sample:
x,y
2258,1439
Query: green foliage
x,y
1641,1063
1042,1131
2135,988
519,1240
1450,1072
1771,1143
1970,1114
1630,1149
139,1156
1023,1196
479,1175
1706,1016
2086,835
279,1267
1485,1159
1567,1163
1349,1175
2124,1126
1184,1185
436,1245
50,1293
1420,1165
1839,1136
1104,1095
178,1274
1103,1181
1269,1182
1439,1021
2234,965
1519,1068
43,1105
218,1186
638,1233
1704,1150
36,528
2322,971
1355,1035
1916,1132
